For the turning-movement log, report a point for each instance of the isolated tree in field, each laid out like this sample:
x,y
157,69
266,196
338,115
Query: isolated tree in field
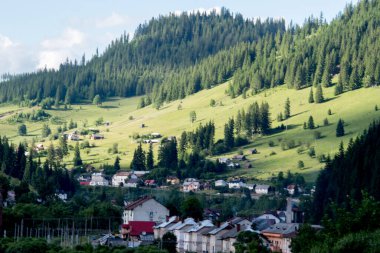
x,y
46,131
310,123
329,112
376,108
319,94
340,128
212,102
193,116
150,158
287,109
97,100
311,96
77,159
138,161
22,130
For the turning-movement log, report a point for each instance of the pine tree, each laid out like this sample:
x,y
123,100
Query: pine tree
x,y
340,128
310,123
77,159
63,145
229,134
311,96
319,95
150,158
138,161
287,109
116,164
338,89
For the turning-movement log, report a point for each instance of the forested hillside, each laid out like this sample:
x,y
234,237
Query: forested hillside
x,y
173,56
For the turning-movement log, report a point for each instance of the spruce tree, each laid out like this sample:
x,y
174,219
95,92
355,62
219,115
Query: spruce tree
x,y
340,128
287,109
77,159
319,94
311,96
229,134
138,161
116,165
338,89
150,158
63,145
310,123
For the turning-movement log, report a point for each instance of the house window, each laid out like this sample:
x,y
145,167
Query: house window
x,y
151,216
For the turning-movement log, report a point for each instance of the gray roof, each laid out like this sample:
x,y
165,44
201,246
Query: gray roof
x,y
285,229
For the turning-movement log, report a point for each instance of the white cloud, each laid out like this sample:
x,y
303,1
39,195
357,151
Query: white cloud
x,y
113,20
14,57
208,11
54,51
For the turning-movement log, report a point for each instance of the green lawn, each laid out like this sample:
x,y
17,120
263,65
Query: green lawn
x,y
356,108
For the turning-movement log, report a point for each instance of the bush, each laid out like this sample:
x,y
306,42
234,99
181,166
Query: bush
x,y
240,141
322,158
288,144
300,164
311,152
325,122
317,135
22,130
272,153
271,143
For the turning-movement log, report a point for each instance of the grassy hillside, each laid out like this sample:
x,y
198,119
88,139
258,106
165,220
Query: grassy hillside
x,y
356,108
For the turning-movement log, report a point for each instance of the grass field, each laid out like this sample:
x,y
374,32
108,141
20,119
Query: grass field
x,y
356,108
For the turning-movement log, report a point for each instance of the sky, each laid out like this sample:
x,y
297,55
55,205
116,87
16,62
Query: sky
x,y
44,33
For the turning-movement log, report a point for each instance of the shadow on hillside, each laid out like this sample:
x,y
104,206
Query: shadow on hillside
x,y
299,113
278,130
329,99
109,106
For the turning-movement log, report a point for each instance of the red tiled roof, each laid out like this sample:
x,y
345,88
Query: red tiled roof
x,y
84,183
138,227
138,202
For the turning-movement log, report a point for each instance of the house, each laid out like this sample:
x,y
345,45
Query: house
x,y
190,184
239,157
62,196
179,230
263,189
39,147
145,209
220,183
172,180
90,168
133,183
236,184
161,229
140,173
135,229
292,189
224,160
73,137
193,236
233,165
155,135
268,216
120,178
280,236
150,182
96,137
251,187
98,179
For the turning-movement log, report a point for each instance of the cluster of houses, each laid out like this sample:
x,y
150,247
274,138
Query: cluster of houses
x,y
131,179
146,220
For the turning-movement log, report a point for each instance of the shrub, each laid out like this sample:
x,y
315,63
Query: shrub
x,y
272,153
311,152
300,164
271,143
317,135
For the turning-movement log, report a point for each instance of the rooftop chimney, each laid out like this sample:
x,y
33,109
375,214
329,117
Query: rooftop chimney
x,y
238,227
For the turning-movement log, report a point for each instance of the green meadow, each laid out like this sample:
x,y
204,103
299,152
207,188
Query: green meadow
x,y
356,108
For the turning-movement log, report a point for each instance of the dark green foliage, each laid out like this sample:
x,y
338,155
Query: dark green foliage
x,y
193,116
310,123
248,241
319,95
212,102
311,96
376,108
150,158
287,109
116,164
329,112
325,122
22,130
192,207
77,160
340,128
168,154
300,164
229,134
169,242
138,161
46,131
317,135
350,173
